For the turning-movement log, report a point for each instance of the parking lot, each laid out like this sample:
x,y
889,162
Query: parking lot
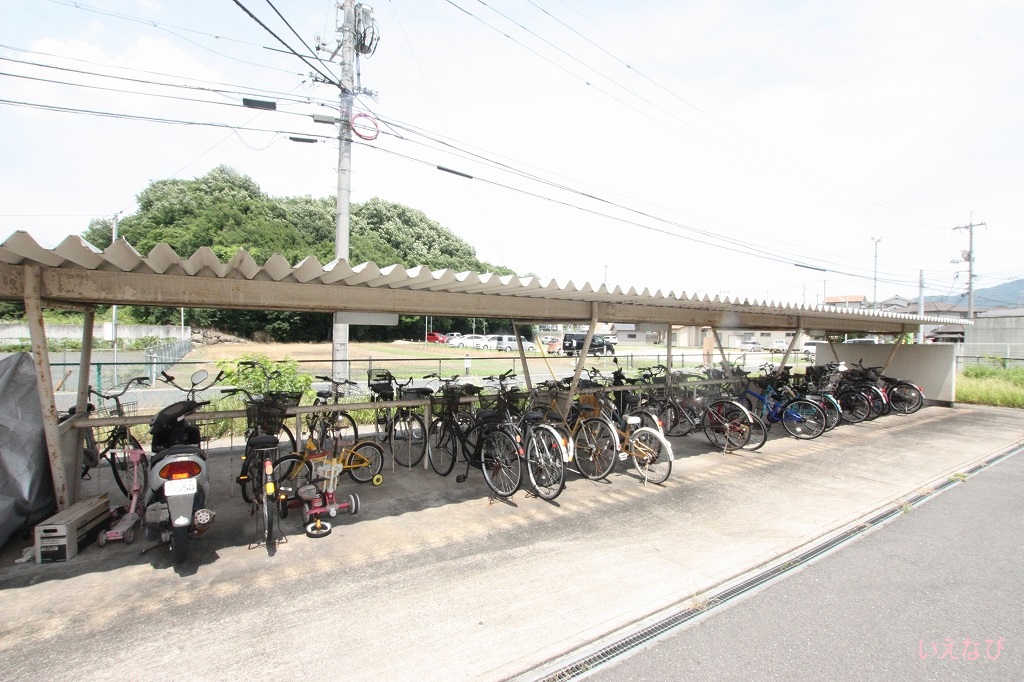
x,y
434,580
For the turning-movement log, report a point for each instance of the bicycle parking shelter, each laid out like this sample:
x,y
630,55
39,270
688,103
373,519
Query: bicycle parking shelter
x,y
77,276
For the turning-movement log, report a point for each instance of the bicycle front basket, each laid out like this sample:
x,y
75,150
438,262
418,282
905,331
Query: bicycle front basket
x,y
285,399
264,417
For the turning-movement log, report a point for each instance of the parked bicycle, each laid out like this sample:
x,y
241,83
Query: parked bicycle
x,y
400,427
645,446
801,418
264,415
111,443
324,427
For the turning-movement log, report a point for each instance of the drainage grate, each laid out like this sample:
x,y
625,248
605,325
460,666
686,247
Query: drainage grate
x,y
651,632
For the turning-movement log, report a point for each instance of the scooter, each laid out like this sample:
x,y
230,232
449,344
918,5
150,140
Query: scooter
x,y
178,483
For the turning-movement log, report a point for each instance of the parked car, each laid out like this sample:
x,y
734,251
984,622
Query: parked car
x,y
465,341
780,344
751,346
548,339
507,343
572,344
864,340
810,348
436,337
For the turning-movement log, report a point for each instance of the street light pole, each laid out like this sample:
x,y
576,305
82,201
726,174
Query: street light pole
x,y
874,295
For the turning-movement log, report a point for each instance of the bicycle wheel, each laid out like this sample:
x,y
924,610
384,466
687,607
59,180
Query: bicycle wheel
x,y
651,453
648,419
726,424
831,408
291,473
905,398
758,434
803,419
381,421
287,444
444,448
879,403
545,462
855,404
596,444
503,470
117,458
268,502
337,426
365,460
251,477
408,439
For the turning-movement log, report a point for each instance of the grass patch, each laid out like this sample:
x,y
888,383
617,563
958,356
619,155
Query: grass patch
x,y
997,391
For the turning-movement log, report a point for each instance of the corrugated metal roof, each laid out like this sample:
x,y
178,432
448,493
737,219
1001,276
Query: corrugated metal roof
x,y
77,272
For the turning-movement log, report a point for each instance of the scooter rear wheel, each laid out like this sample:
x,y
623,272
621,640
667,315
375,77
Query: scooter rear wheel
x,y
179,543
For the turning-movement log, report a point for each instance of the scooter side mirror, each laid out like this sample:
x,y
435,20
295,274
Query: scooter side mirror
x,y
200,376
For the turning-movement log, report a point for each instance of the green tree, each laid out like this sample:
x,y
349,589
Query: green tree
x,y
226,211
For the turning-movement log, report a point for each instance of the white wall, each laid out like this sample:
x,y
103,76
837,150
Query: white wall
x,y
932,367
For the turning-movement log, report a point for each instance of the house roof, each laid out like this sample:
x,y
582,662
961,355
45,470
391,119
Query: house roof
x,y
75,273
845,299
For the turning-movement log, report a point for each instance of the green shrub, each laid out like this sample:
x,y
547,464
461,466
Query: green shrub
x,y
287,376
988,384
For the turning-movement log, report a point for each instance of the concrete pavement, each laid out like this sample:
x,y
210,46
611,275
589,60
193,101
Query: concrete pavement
x,y
937,593
432,580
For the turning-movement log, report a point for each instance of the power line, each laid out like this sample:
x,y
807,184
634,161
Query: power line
x,y
155,119
723,243
505,167
574,75
237,89
327,78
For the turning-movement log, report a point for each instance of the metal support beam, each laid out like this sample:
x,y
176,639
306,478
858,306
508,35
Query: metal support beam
x,y
522,357
48,407
792,343
668,352
82,399
892,353
721,350
581,363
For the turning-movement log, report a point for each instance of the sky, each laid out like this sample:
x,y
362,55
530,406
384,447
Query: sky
x,y
785,151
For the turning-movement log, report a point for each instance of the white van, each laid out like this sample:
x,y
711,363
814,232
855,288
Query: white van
x,y
507,343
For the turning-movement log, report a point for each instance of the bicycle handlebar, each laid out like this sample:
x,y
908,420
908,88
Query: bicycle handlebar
x,y
337,382
142,381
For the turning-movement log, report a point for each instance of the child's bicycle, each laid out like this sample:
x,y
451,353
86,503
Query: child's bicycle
x,y
319,501
126,516
363,461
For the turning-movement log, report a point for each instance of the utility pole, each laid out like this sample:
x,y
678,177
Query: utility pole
x,y
346,27
968,256
339,336
874,295
920,308
113,308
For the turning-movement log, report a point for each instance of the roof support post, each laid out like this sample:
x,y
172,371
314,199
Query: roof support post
x,y
82,399
584,350
522,357
892,353
668,352
796,336
34,315
718,343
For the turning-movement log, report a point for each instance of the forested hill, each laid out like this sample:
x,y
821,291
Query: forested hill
x,y
227,211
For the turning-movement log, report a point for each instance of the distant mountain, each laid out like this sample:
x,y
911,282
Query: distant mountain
x,y
1008,295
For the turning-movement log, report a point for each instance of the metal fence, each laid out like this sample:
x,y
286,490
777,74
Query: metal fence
x,y
107,371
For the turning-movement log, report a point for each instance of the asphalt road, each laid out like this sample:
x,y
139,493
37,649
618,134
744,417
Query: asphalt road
x,y
435,581
936,594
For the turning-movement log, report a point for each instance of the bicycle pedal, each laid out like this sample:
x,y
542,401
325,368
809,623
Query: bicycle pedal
x,y
623,456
